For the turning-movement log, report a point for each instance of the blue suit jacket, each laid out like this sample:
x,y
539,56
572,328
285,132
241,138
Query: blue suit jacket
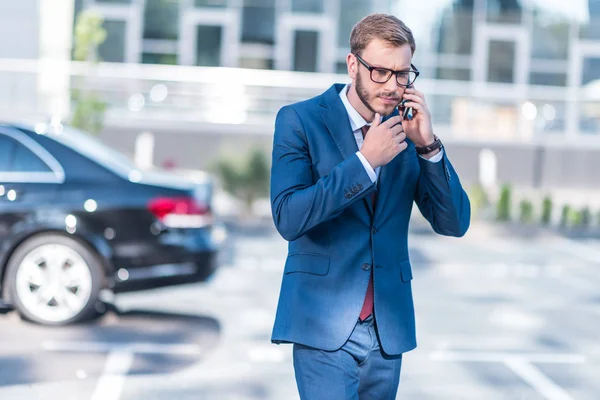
x,y
320,199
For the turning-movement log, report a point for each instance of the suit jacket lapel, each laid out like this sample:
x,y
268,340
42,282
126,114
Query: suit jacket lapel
x,y
335,116
385,180
336,119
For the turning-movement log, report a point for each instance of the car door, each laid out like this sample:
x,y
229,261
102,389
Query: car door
x,y
29,180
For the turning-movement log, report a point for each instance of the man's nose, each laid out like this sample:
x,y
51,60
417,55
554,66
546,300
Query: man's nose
x,y
391,85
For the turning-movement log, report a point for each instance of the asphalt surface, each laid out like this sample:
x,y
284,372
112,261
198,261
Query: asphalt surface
x,y
499,316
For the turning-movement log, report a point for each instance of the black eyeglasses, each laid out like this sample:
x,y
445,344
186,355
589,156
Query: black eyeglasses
x,y
382,75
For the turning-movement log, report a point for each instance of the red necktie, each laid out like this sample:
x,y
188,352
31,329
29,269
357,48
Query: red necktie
x,y
367,308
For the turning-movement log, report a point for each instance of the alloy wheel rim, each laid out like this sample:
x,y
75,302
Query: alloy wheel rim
x,y
54,282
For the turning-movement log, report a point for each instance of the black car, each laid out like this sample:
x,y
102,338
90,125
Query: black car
x,y
77,217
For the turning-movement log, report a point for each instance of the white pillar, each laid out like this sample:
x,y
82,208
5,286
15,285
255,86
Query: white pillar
x,y
56,41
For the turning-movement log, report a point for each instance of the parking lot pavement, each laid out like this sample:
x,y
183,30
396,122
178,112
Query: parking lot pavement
x,y
498,317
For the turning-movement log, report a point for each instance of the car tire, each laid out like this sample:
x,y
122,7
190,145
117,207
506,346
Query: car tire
x,y
54,279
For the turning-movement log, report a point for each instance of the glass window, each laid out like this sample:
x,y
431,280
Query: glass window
x,y
591,28
210,3
208,45
549,36
591,70
25,161
547,79
455,28
353,11
161,19
501,61
305,51
153,58
341,67
310,6
113,48
256,63
6,150
258,22
504,11
458,74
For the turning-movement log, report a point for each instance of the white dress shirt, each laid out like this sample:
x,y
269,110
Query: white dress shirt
x,y
357,122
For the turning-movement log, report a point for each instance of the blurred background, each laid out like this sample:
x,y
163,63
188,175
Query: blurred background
x,y
191,88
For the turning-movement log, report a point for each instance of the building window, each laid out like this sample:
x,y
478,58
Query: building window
x,y
113,48
456,29
457,74
504,11
351,11
308,6
591,70
161,19
501,61
210,3
591,29
113,1
547,79
305,51
208,45
256,63
549,36
153,58
258,22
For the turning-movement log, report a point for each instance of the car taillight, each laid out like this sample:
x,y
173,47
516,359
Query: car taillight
x,y
180,212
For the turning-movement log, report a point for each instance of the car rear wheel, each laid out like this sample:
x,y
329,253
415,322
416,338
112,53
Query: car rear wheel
x,y
54,280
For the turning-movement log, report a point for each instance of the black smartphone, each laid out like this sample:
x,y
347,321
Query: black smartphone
x,y
406,112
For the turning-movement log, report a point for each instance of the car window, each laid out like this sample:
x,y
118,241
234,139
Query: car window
x,y
24,160
6,151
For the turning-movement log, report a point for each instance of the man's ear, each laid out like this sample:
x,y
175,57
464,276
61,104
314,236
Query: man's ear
x,y
352,65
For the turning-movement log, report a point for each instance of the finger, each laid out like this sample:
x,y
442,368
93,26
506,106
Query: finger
x,y
401,137
376,120
402,146
396,129
413,97
393,121
416,106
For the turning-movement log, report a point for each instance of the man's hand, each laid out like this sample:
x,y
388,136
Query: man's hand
x,y
383,141
419,130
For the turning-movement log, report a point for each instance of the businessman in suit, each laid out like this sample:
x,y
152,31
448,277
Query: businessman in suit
x,y
346,169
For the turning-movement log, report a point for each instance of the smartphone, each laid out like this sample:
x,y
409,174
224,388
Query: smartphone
x,y
406,112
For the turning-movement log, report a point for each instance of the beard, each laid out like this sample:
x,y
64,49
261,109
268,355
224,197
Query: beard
x,y
368,100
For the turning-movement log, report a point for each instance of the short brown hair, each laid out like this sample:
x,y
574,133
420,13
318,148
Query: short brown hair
x,y
380,26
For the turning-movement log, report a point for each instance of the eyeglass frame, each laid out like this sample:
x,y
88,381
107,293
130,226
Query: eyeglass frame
x,y
371,68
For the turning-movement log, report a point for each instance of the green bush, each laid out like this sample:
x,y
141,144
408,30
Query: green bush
x,y
565,215
546,210
576,218
503,207
526,214
479,199
586,217
247,179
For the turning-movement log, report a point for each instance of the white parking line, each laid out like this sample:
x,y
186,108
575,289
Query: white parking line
x,y
119,360
111,382
540,382
520,364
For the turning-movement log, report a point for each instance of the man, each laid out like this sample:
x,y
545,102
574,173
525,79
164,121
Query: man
x,y
344,205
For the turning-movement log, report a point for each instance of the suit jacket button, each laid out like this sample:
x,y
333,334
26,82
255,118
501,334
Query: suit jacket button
x,y
359,186
348,195
366,266
374,231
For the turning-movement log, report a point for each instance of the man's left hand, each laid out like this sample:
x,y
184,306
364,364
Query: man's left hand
x,y
419,130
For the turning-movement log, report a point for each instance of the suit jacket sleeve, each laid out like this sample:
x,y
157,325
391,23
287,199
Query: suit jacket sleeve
x,y
299,202
441,198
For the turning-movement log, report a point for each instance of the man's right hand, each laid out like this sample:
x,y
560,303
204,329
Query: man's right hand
x,y
384,141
